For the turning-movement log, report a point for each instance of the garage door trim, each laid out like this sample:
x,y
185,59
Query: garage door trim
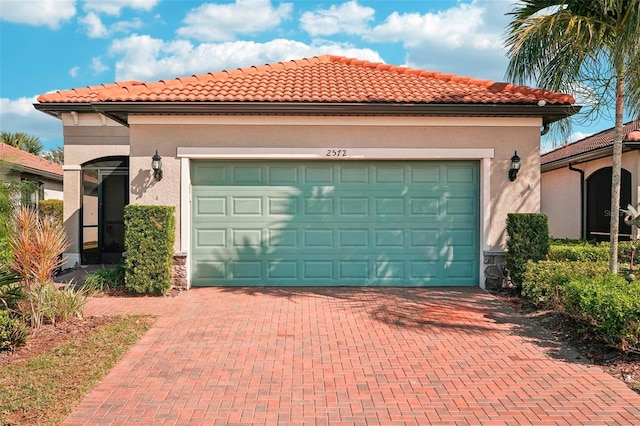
x,y
484,155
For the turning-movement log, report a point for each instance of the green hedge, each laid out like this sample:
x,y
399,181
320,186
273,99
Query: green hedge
x,y
543,281
51,208
610,306
149,239
584,252
528,240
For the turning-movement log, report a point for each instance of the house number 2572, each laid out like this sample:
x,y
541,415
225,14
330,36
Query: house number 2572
x,y
336,153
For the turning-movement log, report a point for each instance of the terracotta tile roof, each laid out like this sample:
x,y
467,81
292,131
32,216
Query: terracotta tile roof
x,y
600,140
328,78
29,162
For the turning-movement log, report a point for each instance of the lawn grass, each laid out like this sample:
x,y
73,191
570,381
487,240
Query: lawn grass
x,y
45,389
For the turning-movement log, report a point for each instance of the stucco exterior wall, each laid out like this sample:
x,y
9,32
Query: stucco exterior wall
x,y
52,190
561,193
503,135
560,201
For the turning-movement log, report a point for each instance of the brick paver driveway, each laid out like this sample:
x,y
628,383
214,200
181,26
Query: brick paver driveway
x,y
347,356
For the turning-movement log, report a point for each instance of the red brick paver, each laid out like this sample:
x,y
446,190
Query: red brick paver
x,y
347,356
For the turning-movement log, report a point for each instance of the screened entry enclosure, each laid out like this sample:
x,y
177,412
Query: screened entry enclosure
x,y
105,185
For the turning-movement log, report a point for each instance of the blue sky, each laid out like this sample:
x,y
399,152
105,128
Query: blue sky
x,y
48,45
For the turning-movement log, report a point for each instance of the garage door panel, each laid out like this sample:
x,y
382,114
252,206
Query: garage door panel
x,y
335,223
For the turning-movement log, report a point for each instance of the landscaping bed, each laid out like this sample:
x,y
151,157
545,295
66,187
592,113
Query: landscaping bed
x,y
572,332
41,382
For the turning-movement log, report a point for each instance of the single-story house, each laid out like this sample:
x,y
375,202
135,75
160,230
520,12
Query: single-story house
x,y
576,184
45,175
319,171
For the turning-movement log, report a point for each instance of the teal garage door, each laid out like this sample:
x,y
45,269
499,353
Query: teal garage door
x,y
326,223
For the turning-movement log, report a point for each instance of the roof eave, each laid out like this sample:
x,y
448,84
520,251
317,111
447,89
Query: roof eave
x,y
119,111
34,171
583,157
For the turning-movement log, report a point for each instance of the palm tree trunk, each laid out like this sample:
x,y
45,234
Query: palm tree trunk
x,y
615,173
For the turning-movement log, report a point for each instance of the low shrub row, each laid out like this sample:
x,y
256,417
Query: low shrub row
x,y
610,306
582,251
575,278
544,280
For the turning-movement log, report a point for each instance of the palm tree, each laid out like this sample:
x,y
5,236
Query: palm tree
x,y
22,141
56,155
576,44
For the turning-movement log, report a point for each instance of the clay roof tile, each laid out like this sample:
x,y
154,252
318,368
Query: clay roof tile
x,y
326,78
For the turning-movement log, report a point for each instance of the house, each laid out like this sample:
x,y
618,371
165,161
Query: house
x,y
46,176
318,171
576,184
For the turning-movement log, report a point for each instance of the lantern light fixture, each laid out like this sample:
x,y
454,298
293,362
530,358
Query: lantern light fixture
x,y
156,165
515,166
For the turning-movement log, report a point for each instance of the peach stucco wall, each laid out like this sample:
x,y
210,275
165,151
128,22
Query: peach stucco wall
x,y
523,195
561,193
89,136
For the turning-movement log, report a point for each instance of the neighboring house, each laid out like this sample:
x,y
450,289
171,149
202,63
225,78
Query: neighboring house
x,y
45,176
576,184
319,171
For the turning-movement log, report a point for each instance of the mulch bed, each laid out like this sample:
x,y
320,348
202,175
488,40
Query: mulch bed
x,y
619,364
49,336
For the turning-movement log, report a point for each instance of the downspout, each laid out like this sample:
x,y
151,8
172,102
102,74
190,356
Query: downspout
x,y
583,232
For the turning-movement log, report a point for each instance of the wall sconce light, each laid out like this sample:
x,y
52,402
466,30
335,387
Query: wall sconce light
x,y
515,166
156,165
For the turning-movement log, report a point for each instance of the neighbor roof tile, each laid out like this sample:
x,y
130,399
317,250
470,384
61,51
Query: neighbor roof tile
x,y
28,161
319,79
600,140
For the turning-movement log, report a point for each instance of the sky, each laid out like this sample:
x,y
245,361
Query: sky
x,y
48,45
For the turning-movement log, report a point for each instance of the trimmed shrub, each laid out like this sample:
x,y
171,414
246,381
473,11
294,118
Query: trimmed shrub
x,y
543,281
609,305
528,240
579,252
149,238
586,251
51,209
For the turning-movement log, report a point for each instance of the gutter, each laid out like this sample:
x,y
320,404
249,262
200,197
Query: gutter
x,y
119,111
583,212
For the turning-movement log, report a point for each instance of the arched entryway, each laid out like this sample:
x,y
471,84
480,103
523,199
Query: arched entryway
x,y
105,192
599,204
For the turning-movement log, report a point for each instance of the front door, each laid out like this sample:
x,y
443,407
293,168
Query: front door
x,y
113,195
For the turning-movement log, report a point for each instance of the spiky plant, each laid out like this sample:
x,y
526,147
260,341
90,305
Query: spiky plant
x,y
37,245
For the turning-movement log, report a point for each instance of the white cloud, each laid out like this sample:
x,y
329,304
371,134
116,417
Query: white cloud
x,y
465,39
73,72
222,22
459,26
576,136
96,29
141,57
349,18
97,66
113,7
19,115
49,13
94,26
